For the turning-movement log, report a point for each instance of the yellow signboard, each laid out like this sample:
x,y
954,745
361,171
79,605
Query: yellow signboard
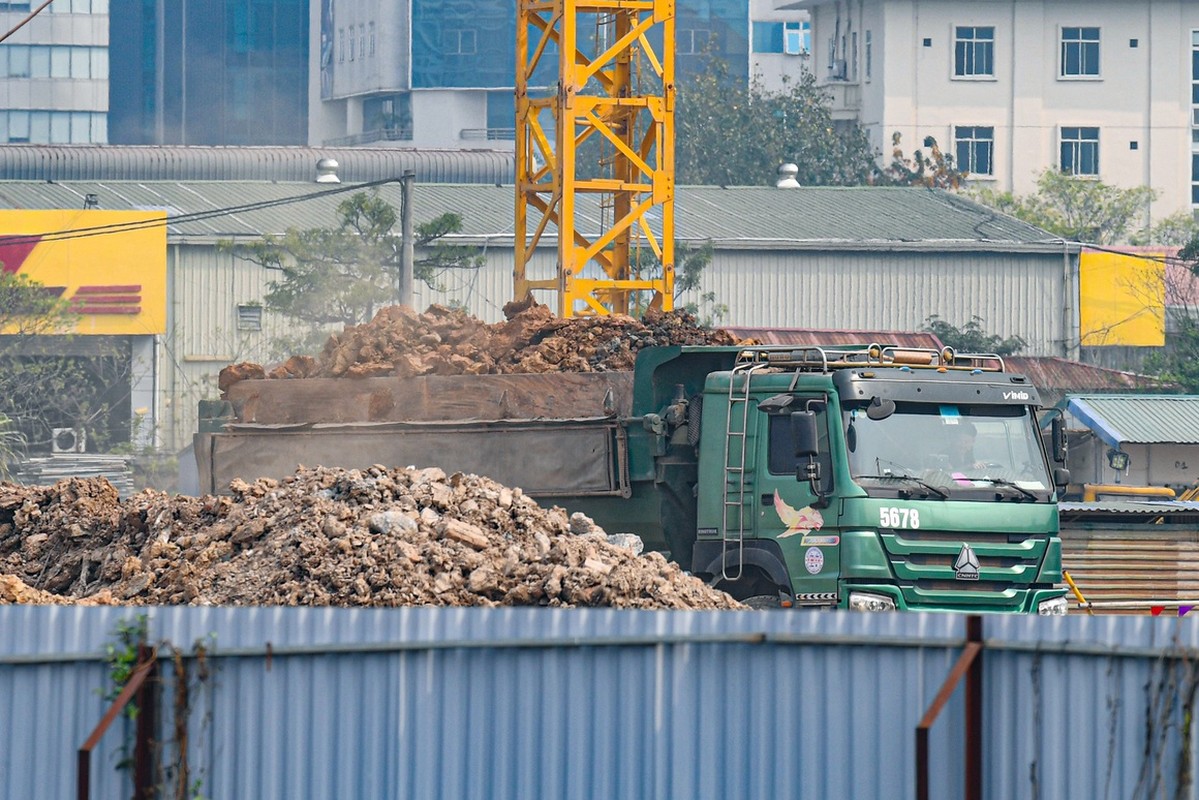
x,y
1122,298
110,265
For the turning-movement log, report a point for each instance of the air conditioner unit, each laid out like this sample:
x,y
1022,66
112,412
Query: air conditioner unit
x,y
68,440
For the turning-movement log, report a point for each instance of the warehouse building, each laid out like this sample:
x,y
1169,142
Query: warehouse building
x,y
853,258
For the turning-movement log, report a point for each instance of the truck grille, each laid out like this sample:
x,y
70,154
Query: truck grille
x,y
923,565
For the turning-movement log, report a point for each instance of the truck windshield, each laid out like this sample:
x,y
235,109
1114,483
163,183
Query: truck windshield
x,y
960,450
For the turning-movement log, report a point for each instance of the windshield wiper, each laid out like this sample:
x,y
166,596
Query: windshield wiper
x,y
941,493
1001,482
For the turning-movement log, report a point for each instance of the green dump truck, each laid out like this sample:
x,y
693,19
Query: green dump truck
x,y
867,477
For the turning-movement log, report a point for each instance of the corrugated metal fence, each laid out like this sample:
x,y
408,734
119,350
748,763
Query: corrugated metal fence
x,y
516,703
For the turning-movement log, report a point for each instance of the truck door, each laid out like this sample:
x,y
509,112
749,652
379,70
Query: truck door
x,y
789,512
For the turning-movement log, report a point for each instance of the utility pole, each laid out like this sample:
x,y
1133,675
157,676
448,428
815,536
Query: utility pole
x,y
407,246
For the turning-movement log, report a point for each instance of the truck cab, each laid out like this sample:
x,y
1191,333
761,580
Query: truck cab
x,y
875,478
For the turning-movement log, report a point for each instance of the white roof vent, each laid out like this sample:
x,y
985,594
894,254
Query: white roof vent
x,y
326,171
787,173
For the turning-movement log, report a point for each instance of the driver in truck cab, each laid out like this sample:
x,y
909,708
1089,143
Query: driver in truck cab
x,y
960,446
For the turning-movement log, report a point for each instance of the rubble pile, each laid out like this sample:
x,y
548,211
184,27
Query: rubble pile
x,y
325,537
445,341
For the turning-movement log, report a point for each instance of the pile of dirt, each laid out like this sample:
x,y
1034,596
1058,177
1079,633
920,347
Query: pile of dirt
x,y
446,341
325,537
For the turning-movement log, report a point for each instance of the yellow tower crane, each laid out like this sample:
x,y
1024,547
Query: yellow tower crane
x,y
600,93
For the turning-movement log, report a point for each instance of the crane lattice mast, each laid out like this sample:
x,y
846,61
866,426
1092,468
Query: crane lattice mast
x,y
603,94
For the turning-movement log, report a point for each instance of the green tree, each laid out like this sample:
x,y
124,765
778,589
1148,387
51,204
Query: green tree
x,y
972,337
1176,230
690,262
50,378
936,170
731,134
1078,209
27,308
341,276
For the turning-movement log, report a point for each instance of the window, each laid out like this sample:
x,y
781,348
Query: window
x,y
974,52
371,40
362,40
1080,53
1195,179
853,56
975,149
780,455
1080,151
351,40
458,42
768,37
797,38
693,41
869,56
341,45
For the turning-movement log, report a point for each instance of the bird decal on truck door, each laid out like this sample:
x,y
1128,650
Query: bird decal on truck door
x,y
797,520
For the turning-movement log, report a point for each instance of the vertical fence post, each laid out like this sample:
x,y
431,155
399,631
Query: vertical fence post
x,y
970,665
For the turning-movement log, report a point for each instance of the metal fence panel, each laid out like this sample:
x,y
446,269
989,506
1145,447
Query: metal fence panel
x,y
514,703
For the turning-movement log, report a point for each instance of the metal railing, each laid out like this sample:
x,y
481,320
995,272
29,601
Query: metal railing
x,y
376,135
140,685
489,134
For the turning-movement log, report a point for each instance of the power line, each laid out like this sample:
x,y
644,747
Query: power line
x,y
25,21
195,216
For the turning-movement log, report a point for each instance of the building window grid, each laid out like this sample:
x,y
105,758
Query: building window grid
x,y
53,61
53,127
974,51
1080,52
975,149
1195,117
1080,151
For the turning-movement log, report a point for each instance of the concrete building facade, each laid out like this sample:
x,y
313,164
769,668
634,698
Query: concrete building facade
x,y
1105,89
54,73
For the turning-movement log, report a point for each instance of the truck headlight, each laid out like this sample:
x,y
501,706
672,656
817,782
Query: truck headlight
x,y
1057,607
865,601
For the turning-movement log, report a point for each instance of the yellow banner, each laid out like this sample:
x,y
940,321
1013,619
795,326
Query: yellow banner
x,y
1122,299
110,265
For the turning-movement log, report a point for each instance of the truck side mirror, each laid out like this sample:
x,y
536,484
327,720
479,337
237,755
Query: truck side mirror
x,y
803,434
805,439
1061,446
1061,477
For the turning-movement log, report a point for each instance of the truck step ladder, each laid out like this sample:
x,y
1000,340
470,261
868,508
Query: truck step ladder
x,y
736,447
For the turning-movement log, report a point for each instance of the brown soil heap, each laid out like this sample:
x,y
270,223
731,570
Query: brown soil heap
x,y
324,537
445,341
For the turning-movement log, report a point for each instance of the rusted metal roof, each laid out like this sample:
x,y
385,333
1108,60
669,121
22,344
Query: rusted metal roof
x,y
818,336
1052,372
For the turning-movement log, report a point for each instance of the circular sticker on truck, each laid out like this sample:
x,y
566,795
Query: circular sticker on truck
x,y
813,560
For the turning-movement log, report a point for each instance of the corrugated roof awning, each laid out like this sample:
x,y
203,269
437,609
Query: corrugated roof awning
x,y
1139,419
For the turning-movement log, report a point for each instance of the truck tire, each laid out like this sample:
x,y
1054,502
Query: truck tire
x,y
760,601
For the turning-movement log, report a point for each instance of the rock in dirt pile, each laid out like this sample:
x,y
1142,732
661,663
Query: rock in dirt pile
x,y
324,537
445,341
